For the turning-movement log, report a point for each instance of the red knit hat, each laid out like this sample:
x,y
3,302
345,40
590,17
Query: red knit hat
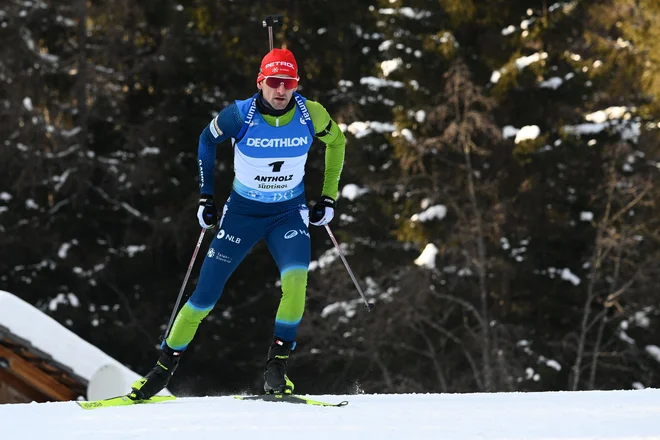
x,y
278,62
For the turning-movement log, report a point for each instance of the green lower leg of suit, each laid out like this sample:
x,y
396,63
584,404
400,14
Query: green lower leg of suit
x,y
185,326
287,320
183,331
292,304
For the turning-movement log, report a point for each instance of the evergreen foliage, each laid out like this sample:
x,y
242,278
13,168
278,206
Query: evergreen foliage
x,y
515,141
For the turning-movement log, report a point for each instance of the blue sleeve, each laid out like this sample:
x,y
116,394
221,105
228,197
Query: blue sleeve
x,y
224,126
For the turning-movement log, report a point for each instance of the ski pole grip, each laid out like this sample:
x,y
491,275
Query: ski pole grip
x,y
272,20
269,22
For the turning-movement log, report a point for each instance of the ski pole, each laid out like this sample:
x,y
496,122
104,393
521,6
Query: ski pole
x,y
367,305
185,281
269,21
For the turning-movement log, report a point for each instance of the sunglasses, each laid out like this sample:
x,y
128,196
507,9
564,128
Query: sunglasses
x,y
274,82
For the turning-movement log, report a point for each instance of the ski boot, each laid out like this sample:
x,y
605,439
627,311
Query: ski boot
x,y
275,378
158,377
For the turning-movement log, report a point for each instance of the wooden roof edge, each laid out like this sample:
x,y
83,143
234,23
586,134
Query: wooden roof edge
x,y
6,333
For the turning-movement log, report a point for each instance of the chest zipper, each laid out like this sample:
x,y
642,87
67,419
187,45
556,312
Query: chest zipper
x,y
277,122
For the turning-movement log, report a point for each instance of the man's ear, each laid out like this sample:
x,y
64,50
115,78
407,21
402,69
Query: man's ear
x,y
259,85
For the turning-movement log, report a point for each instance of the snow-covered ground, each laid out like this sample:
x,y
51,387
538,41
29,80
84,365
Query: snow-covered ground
x,y
629,415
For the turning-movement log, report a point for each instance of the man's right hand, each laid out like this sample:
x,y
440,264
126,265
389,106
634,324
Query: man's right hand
x,y
207,213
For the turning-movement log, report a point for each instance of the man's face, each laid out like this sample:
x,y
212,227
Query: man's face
x,y
278,90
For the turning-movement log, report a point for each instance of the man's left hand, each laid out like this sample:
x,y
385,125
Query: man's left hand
x,y
322,211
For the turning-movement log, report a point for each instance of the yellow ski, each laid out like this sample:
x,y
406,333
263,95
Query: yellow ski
x,y
121,401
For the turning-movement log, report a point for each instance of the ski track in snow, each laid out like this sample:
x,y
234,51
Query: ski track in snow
x,y
622,415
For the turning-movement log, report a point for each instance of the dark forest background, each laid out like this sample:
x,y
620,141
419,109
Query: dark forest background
x,y
546,268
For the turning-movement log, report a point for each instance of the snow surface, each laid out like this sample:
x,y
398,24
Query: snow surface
x,y
431,213
582,415
427,257
352,191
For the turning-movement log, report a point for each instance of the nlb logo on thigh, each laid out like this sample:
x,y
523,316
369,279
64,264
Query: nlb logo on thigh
x,y
222,234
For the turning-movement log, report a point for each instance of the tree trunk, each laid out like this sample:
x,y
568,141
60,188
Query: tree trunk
x,y
594,275
481,269
82,72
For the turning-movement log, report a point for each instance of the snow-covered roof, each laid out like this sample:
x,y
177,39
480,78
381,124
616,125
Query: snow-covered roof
x,y
47,335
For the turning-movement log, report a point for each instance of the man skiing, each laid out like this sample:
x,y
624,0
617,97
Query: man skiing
x,y
271,133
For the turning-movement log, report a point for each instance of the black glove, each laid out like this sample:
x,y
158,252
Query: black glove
x,y
322,211
207,213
